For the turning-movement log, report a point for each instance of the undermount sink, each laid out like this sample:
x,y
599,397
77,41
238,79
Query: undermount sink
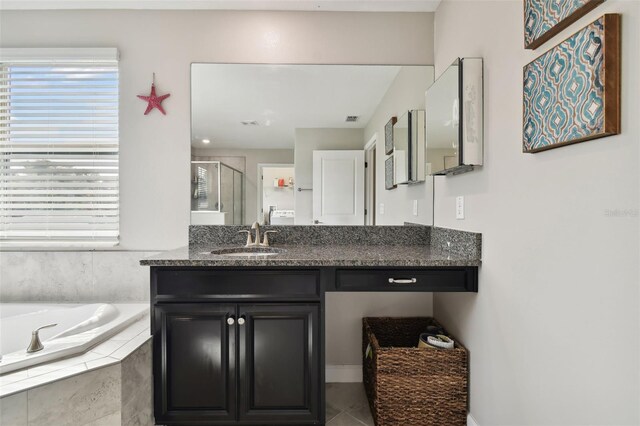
x,y
248,251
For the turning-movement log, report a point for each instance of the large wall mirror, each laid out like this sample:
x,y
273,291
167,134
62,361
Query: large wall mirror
x,y
298,144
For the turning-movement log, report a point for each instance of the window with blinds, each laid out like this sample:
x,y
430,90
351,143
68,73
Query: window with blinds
x,y
59,147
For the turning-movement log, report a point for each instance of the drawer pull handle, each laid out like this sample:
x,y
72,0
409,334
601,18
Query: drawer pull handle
x,y
402,280
231,320
241,320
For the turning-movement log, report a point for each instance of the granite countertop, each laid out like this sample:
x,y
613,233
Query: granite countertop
x,y
318,255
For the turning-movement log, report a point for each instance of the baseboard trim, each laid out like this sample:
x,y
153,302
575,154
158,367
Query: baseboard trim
x,y
471,421
343,373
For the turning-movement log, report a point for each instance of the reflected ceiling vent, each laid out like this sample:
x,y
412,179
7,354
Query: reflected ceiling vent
x,y
351,118
250,123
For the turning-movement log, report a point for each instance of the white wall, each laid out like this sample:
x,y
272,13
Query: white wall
x,y
405,93
307,141
553,332
252,157
154,149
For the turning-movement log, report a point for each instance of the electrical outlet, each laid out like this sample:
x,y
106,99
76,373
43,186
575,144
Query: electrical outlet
x,y
381,208
415,207
460,208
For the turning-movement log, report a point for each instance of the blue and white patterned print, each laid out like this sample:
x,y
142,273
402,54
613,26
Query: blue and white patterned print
x,y
542,15
563,91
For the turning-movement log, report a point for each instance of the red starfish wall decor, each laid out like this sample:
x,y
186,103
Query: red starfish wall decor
x,y
154,101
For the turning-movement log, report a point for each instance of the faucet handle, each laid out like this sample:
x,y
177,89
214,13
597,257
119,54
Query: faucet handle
x,y
265,242
35,344
44,326
249,240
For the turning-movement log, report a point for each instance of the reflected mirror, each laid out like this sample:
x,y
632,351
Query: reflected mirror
x,y
455,119
301,144
443,124
401,155
409,148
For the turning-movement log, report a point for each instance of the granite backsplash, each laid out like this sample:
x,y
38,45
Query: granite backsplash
x,y
441,239
213,235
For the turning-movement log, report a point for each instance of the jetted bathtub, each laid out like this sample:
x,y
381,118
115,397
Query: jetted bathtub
x,y
79,327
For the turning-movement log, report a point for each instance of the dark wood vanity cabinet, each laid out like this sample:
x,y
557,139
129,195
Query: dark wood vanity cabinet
x,y
229,362
245,346
195,363
279,364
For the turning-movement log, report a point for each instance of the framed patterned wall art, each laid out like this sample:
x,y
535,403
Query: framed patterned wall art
x,y
543,19
388,135
389,174
572,92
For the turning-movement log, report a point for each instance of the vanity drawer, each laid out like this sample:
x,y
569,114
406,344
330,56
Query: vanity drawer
x,y
440,279
198,284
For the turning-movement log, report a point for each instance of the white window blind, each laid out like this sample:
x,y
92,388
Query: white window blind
x,y
59,147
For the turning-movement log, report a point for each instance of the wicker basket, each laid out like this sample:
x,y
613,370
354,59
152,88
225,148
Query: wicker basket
x,y
411,386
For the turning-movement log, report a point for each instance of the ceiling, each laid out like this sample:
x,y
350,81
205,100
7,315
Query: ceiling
x,y
301,5
280,98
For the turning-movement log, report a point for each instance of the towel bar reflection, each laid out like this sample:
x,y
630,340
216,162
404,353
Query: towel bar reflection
x,y
304,189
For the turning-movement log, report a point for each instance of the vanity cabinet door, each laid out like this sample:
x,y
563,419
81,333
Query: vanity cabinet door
x,y
195,363
279,364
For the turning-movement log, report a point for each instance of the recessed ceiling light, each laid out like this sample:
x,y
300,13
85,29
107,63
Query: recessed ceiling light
x,y
205,141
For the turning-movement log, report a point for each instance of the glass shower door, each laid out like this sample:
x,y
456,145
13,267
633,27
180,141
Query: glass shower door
x,y
238,198
226,193
204,186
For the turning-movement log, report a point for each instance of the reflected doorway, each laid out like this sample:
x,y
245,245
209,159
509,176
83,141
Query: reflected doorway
x,y
275,204
370,181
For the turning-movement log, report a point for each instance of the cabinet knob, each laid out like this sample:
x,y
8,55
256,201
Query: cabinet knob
x,y
231,320
241,320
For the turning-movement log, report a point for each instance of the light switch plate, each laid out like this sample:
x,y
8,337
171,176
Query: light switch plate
x,y
381,208
415,207
460,208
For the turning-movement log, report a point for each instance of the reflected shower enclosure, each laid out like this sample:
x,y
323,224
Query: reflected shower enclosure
x,y
216,193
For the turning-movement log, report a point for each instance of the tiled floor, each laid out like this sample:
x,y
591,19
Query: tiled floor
x,y
347,405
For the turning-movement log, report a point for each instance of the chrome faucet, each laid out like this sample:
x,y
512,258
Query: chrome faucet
x,y
251,242
36,344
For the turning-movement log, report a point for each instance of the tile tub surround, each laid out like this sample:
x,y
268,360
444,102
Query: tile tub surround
x,y
118,394
73,276
111,351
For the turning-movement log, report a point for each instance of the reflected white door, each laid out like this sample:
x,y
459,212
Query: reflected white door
x,y
338,187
